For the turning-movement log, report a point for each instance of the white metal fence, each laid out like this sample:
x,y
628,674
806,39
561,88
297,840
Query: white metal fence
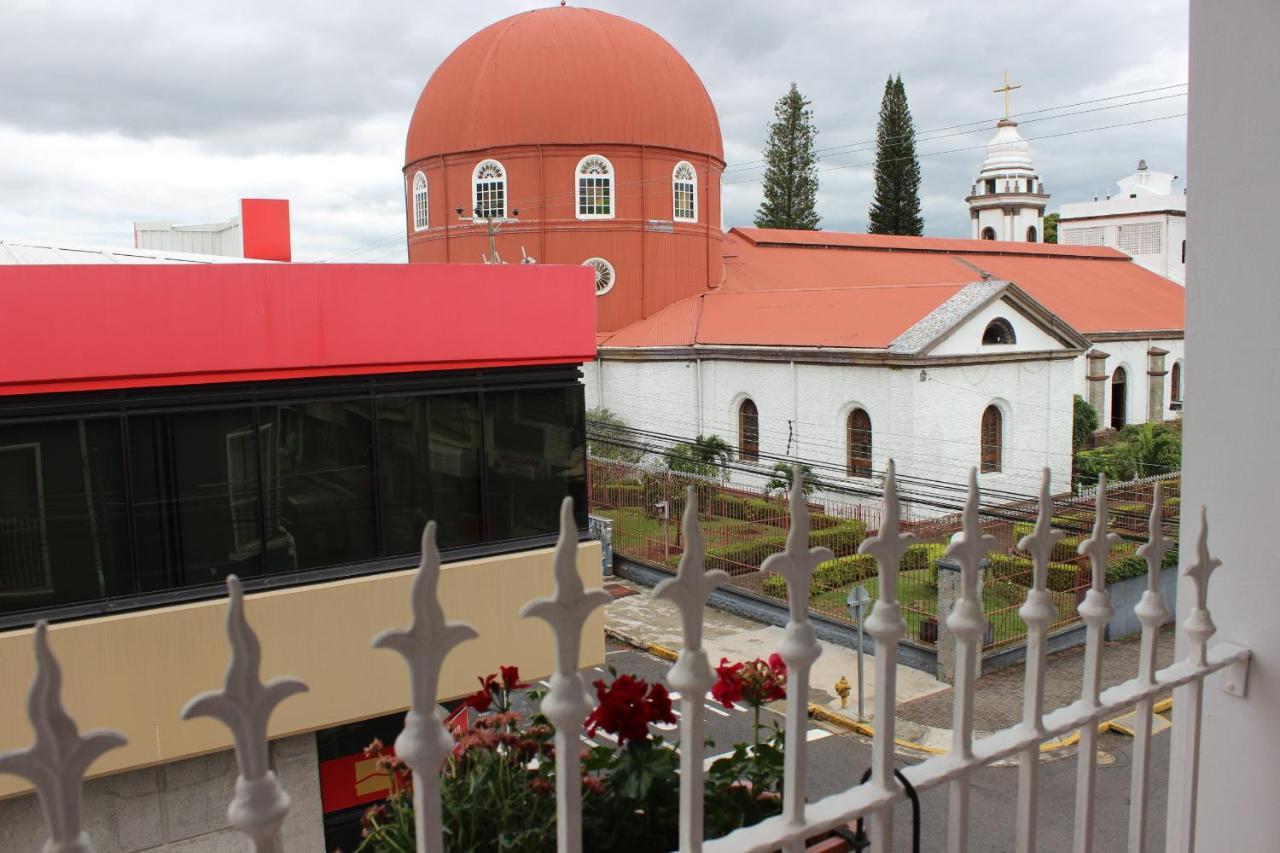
x,y
55,764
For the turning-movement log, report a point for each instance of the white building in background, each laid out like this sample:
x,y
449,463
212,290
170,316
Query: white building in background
x,y
1146,219
1007,200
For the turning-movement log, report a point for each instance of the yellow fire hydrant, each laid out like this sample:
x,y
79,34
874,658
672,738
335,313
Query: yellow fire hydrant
x,y
843,690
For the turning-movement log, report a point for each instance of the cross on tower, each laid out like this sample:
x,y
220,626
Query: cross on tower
x,y
1007,88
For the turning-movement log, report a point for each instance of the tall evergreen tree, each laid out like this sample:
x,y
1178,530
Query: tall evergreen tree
x,y
896,208
791,173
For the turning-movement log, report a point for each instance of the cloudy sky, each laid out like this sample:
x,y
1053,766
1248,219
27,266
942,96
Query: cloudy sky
x,y
143,110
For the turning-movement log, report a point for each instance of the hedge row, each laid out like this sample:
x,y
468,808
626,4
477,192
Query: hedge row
x,y
1064,549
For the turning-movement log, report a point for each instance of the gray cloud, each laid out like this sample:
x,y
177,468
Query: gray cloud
x,y
133,110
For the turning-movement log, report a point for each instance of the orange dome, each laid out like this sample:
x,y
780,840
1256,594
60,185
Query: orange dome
x,y
563,75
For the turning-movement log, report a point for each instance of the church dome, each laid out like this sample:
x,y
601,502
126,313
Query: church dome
x,y
1007,149
563,75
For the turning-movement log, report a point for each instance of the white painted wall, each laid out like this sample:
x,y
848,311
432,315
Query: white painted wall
x,y
1230,461
930,425
1132,355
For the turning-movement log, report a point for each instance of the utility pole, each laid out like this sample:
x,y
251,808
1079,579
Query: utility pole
x,y
492,226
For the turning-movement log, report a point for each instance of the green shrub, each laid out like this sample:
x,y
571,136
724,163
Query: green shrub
x,y
624,494
1124,568
821,521
730,506
750,552
842,571
843,539
774,586
1009,567
1063,578
1170,557
763,510
1064,549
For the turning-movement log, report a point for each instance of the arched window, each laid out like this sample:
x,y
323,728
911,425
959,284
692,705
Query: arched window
x,y
489,199
999,331
988,233
606,278
1184,251
419,202
1031,234
992,439
595,188
684,193
1118,397
858,444
748,432
1175,383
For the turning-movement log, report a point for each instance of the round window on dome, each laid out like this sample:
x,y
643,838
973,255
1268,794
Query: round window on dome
x,y
605,276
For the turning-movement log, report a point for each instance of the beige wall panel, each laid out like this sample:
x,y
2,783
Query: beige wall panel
x,y
135,671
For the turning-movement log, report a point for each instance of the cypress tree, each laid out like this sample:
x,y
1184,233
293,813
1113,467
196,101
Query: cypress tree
x,y
896,207
790,174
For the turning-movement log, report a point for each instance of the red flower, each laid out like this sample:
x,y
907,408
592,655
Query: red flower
x,y
627,706
511,678
728,686
482,698
754,682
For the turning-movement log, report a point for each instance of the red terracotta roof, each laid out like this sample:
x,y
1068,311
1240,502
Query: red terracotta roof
x,y
76,328
893,243
563,75
820,289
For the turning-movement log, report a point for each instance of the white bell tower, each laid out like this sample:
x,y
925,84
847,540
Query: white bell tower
x,y
1008,199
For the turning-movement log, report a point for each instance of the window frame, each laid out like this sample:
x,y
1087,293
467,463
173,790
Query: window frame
x,y
692,182
748,447
579,190
594,262
1002,326
418,202
991,452
859,464
477,212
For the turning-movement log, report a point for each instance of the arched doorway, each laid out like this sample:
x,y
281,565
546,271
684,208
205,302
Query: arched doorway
x,y
1031,234
988,233
1118,397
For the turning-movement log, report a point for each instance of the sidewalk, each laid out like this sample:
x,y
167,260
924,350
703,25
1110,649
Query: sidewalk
x,y
924,703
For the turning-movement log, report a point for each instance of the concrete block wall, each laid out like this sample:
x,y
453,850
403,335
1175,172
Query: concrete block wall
x,y
179,807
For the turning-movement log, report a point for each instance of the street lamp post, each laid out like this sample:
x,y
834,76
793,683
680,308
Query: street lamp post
x,y
857,600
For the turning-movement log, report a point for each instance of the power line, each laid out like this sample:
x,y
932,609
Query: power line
x,y
540,200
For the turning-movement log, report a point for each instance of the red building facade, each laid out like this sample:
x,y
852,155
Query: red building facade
x,y
598,132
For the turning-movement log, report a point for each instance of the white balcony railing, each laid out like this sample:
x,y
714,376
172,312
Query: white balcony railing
x,y
56,763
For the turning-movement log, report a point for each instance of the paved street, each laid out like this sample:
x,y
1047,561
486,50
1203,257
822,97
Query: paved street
x,y
842,758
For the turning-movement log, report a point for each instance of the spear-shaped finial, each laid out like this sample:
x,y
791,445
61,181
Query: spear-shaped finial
x,y
244,706
1204,565
693,584
1039,543
888,545
1157,544
970,545
1100,542
56,763
797,561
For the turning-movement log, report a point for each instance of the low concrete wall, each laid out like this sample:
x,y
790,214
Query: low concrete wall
x,y
1126,594
180,806
770,612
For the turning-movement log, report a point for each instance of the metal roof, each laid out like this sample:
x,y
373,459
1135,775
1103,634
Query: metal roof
x,y
44,252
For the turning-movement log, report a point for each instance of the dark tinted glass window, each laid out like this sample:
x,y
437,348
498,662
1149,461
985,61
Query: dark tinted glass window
x,y
318,483
197,510
534,444
64,531
430,467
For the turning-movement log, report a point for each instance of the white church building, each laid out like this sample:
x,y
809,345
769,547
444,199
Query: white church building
x,y
851,349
